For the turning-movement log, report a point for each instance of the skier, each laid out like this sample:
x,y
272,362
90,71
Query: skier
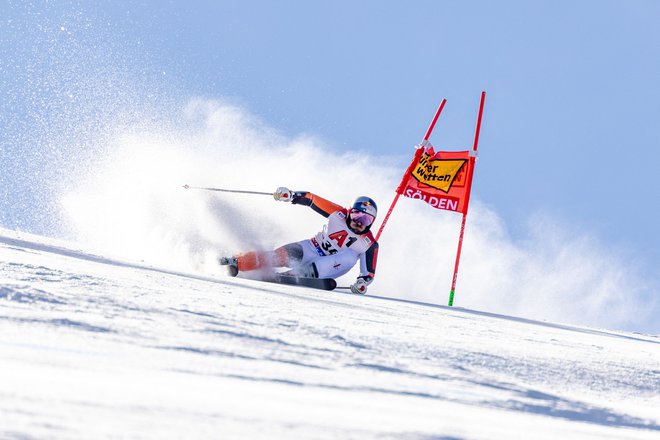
x,y
330,253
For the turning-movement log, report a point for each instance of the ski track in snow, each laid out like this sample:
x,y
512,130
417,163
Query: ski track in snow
x,y
94,347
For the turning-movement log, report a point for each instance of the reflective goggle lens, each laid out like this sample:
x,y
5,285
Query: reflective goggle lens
x,y
361,217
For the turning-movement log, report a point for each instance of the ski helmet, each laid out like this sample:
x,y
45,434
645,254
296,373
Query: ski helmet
x,y
363,212
366,205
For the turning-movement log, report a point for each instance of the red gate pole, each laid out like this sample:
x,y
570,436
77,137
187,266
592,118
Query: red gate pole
x,y
467,199
409,170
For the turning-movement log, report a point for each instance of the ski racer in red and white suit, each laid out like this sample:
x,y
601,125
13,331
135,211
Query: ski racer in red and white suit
x,y
334,250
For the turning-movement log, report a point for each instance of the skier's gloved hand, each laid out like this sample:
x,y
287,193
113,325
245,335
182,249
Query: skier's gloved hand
x,y
359,287
283,194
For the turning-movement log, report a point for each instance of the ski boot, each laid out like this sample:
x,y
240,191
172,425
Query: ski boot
x,y
232,265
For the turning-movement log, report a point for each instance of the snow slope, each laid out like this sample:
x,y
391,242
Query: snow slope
x,y
92,347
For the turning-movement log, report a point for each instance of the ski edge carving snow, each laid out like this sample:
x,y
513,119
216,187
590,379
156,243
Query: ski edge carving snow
x,y
314,283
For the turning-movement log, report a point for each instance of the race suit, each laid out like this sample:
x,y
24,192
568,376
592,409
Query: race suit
x,y
335,249
329,254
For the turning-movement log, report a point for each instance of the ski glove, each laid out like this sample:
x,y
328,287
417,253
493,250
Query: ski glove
x,y
283,194
359,287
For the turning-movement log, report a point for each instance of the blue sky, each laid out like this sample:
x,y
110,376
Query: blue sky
x,y
570,128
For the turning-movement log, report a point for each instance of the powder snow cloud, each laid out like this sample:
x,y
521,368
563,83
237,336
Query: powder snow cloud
x,y
132,203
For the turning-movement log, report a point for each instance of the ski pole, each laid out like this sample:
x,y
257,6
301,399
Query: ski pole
x,y
186,186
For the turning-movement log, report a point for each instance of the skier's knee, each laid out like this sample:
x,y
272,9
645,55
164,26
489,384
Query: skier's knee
x,y
294,252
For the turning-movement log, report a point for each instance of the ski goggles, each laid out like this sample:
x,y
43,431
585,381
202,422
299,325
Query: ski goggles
x,y
360,217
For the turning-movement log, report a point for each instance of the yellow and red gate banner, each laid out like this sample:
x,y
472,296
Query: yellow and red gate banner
x,y
440,179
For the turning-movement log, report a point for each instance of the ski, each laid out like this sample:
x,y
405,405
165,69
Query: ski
x,y
314,283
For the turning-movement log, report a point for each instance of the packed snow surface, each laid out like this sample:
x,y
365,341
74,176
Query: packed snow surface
x,y
98,347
